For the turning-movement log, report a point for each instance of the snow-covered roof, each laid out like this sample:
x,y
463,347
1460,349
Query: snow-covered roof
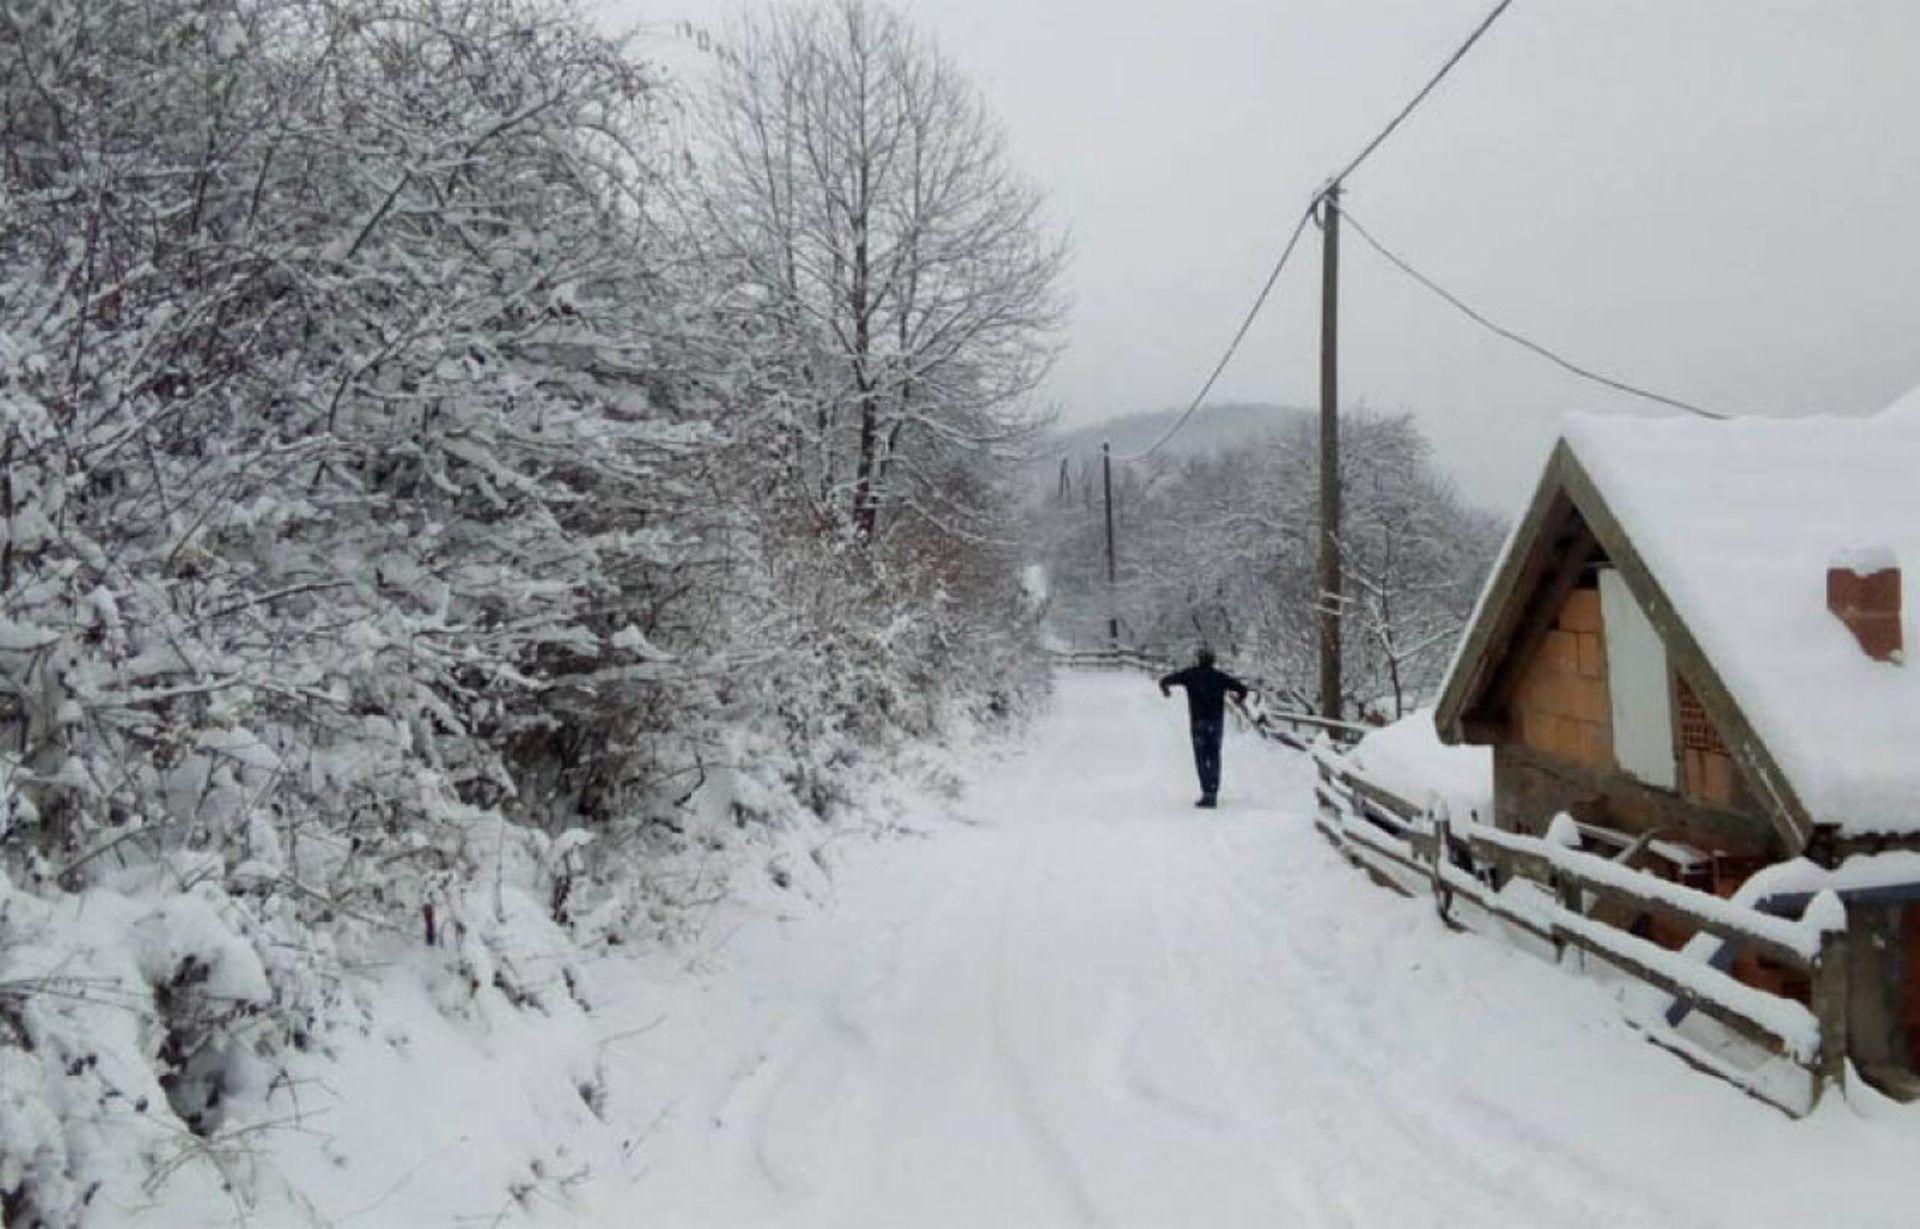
x,y
1738,523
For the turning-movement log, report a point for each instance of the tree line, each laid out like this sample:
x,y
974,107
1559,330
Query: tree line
x,y
1221,549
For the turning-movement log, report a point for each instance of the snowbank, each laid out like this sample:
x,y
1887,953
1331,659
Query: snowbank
x,y
1408,759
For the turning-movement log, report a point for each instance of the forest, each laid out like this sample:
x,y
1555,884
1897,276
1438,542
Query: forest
x,y
1218,547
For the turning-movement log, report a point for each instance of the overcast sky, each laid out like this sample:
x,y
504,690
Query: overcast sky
x,y
1715,198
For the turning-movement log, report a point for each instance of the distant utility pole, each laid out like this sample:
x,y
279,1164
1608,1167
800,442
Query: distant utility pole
x,y
1330,453
1113,594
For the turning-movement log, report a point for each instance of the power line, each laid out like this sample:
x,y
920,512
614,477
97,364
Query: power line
x,y
1259,301
1566,364
1380,139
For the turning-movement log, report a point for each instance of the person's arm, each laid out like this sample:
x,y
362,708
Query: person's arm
x,y
1176,679
1238,688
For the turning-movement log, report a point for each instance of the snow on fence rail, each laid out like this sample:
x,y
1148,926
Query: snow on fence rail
x,y
1296,730
1398,844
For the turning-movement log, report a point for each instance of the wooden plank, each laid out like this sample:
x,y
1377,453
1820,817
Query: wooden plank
x,y
1399,808
1483,731
1506,849
1427,855
1464,886
1669,911
1520,862
1344,841
1830,993
1703,1062
1519,569
1378,844
1712,1008
1440,855
1485,900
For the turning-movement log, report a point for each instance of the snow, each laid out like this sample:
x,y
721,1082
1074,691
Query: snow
x,y
1058,995
1562,833
1078,1001
1738,522
1863,872
1408,760
1786,1019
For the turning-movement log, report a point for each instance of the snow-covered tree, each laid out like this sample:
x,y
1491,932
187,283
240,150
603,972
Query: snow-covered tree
x,y
906,269
1223,550
400,532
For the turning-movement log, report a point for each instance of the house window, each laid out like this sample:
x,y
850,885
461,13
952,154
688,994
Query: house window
x,y
1706,765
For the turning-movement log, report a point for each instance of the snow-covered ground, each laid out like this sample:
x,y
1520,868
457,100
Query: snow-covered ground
x,y
1064,997
1091,1004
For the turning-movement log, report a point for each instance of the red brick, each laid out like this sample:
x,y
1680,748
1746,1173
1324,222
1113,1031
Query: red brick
x,y
1591,702
1593,656
1870,607
1536,729
1560,694
1596,747
1567,742
1581,612
1532,688
1562,651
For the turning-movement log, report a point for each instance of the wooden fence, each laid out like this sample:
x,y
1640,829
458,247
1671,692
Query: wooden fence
x,y
1550,890
1294,729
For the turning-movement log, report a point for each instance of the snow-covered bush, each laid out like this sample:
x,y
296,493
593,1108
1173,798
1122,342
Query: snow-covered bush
x,y
397,547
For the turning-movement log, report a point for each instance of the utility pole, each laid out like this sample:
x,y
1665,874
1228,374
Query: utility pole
x,y
1330,453
1113,595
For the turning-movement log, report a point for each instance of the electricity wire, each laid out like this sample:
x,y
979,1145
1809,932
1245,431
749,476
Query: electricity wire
x,y
1352,165
1379,139
1239,336
1566,364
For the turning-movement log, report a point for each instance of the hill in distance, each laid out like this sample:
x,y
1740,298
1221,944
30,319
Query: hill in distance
x,y
1214,429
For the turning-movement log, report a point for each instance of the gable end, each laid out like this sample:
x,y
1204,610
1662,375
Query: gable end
x,y
1565,528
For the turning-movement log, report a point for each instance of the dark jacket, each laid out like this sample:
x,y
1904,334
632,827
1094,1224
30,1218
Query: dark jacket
x,y
1207,690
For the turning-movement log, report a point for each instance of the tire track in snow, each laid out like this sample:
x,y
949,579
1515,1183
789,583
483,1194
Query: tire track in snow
x,y
1105,1009
1477,1130
819,1109
1302,1191
1059,1164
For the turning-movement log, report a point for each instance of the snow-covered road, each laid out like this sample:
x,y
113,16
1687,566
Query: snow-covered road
x,y
1093,1004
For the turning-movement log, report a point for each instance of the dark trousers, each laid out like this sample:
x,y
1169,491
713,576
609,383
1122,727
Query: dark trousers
x,y
1206,755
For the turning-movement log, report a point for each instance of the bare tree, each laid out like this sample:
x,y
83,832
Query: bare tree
x,y
868,196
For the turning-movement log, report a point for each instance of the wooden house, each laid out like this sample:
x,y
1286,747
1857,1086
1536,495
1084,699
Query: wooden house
x,y
1696,630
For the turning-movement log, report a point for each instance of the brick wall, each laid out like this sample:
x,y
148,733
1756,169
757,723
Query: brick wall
x,y
1561,707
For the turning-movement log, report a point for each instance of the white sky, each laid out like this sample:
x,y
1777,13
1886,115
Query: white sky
x,y
1719,199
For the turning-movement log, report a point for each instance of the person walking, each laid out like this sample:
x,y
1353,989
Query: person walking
x,y
1207,690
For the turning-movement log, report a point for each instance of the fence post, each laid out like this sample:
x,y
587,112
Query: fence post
x,y
1565,888
1830,1008
1442,853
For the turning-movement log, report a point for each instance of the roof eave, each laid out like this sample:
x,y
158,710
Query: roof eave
x,y
1474,664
